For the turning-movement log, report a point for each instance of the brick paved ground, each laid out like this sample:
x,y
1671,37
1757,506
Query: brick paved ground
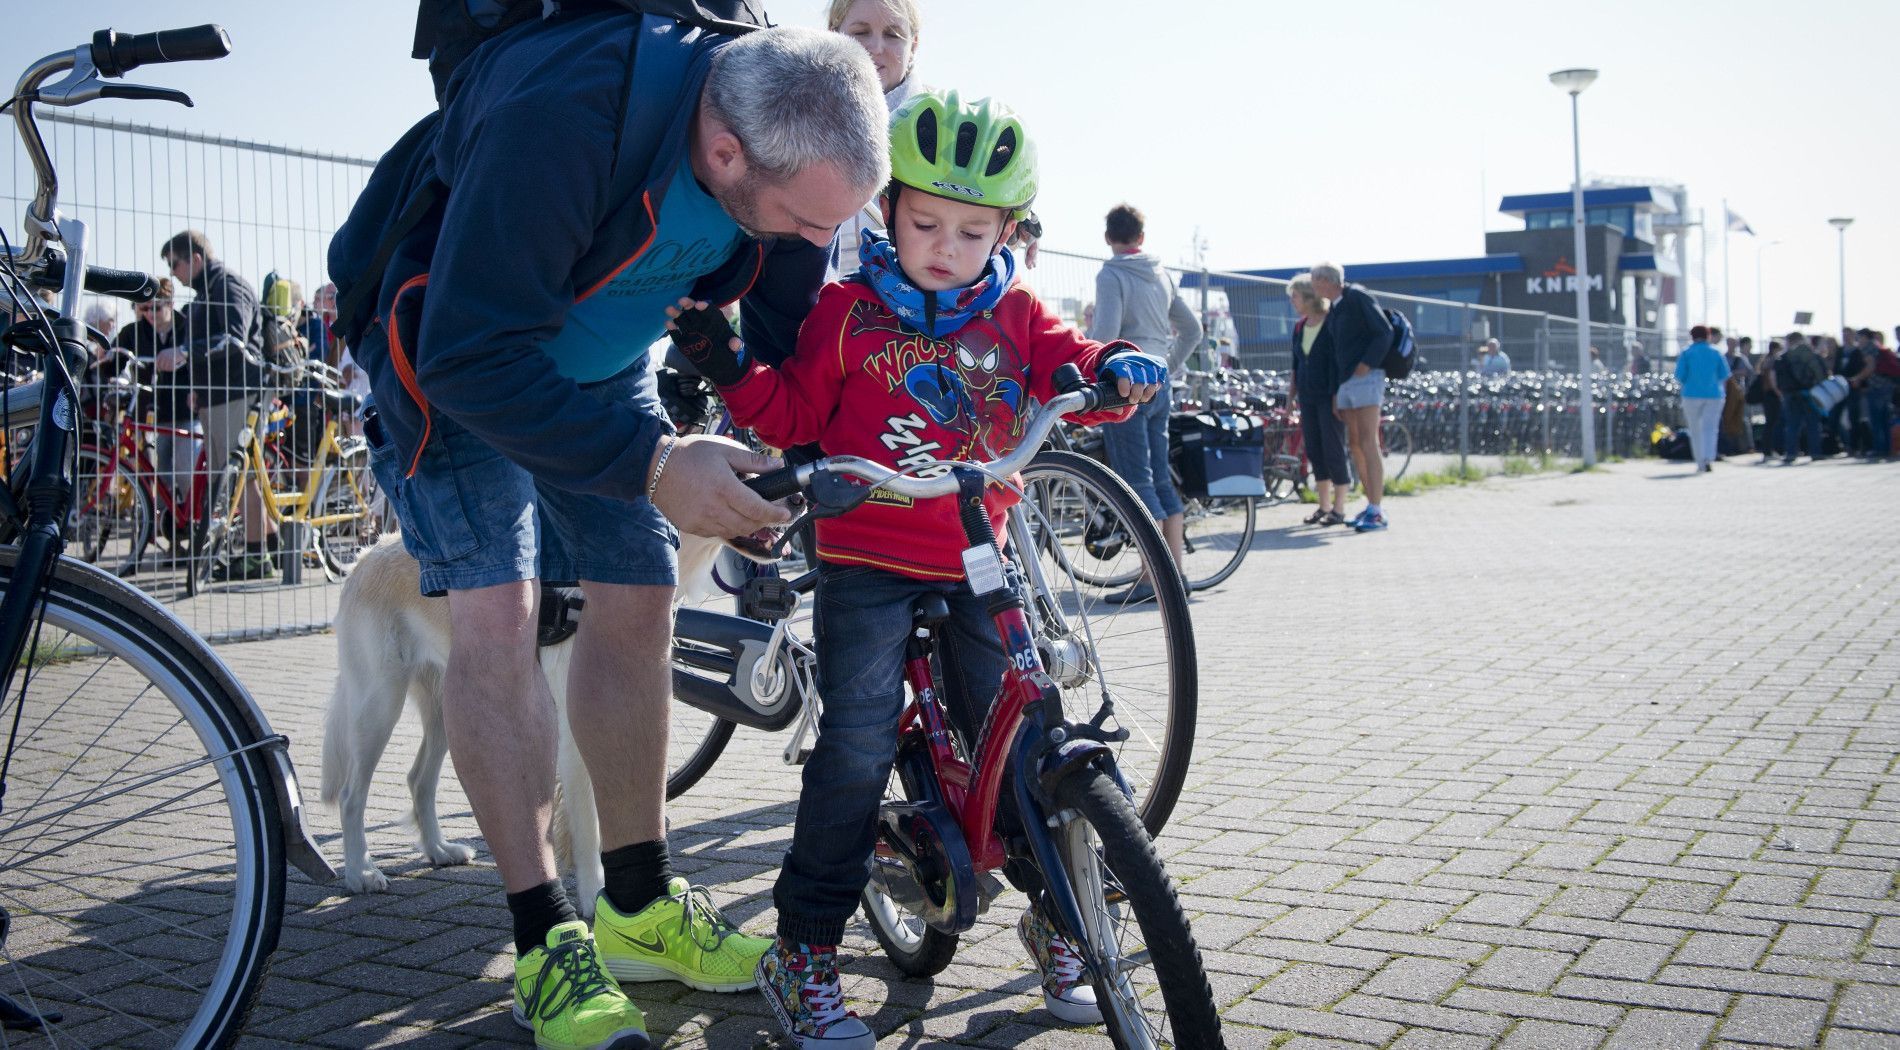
x,y
1598,760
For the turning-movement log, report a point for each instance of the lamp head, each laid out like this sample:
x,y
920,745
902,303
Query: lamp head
x,y
1840,224
1573,81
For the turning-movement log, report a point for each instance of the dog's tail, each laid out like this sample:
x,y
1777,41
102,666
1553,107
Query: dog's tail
x,y
336,747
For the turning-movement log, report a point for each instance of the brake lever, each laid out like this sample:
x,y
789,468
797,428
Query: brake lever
x,y
828,494
145,92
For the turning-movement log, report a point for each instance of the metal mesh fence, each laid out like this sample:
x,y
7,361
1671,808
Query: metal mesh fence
x,y
252,543
230,489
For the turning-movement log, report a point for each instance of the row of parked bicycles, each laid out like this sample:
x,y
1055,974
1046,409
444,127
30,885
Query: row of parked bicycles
x,y
1237,445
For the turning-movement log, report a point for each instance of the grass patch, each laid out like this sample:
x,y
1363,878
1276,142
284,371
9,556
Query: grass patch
x,y
1413,484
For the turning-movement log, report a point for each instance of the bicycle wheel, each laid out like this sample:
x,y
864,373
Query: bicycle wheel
x,y
1095,558
1132,661
1395,447
220,522
349,491
1110,865
695,741
1218,535
113,523
141,849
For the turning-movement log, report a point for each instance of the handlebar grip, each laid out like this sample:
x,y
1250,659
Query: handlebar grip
x,y
124,284
1108,396
116,54
775,484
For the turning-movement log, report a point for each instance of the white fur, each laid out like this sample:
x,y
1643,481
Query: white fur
x,y
393,643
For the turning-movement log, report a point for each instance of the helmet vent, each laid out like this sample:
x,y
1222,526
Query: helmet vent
x,y
1004,152
927,135
966,143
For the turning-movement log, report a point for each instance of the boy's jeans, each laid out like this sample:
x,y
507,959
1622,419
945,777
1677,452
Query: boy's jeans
x,y
860,625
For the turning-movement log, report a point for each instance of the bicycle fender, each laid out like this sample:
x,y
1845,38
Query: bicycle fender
x,y
1065,757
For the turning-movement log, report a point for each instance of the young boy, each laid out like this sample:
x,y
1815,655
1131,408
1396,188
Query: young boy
x,y
929,352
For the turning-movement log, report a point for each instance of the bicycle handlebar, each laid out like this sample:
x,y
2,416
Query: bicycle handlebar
x,y
130,285
116,54
1078,396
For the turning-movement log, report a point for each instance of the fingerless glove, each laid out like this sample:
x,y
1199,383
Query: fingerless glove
x,y
705,337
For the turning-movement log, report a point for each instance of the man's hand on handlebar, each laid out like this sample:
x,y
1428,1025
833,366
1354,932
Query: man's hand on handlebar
x,y
170,360
700,491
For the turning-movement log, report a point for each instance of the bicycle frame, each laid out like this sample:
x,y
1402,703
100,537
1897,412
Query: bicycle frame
x,y
295,506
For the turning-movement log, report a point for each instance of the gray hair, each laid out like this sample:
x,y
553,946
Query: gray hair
x,y
1302,287
796,97
1328,271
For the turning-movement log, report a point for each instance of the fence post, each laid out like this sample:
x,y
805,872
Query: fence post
x,y
1464,420
1543,374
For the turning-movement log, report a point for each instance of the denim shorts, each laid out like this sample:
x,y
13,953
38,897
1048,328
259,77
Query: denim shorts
x,y
1366,391
473,518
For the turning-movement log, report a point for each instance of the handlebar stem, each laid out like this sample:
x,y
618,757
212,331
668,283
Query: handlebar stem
x,y
42,215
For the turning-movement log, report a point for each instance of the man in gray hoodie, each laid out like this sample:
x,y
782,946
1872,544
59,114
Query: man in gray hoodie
x,y
1136,300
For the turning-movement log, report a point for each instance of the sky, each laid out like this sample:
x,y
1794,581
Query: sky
x,y
1282,134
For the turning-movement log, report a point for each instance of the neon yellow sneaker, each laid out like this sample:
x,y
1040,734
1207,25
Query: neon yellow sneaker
x,y
564,997
680,937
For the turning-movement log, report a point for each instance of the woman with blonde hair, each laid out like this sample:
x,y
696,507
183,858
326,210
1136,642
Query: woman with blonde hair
x,y
1315,381
889,31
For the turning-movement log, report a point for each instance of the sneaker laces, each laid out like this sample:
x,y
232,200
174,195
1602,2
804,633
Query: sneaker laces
x,y
585,979
821,992
1064,960
697,904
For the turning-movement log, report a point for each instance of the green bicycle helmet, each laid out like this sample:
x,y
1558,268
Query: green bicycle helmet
x,y
975,152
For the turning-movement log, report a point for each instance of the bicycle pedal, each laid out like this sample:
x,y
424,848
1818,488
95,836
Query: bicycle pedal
x,y
804,756
988,886
768,598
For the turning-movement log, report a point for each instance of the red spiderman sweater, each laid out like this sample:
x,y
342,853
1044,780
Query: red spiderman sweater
x,y
864,384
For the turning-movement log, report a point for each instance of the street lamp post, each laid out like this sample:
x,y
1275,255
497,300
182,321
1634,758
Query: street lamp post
x,y
1841,225
1573,81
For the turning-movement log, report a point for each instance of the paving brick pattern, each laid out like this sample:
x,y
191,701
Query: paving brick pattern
x,y
1603,760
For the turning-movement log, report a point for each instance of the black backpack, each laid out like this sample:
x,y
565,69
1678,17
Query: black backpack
x,y
403,200
1799,368
1403,353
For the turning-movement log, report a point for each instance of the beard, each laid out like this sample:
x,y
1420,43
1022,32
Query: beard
x,y
741,204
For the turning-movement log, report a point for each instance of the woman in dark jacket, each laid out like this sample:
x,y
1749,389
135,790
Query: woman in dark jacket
x,y
1315,381
159,328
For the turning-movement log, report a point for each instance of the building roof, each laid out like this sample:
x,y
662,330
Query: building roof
x,y
1642,198
1505,262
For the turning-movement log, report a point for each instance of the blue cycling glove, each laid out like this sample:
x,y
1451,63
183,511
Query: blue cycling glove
x,y
1128,362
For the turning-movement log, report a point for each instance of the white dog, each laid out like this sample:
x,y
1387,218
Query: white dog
x,y
394,643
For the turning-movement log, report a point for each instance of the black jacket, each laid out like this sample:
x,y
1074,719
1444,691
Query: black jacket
x,y
169,389
1361,334
222,323
1316,375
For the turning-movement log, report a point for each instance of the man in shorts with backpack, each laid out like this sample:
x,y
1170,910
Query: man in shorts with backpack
x,y
585,171
1361,338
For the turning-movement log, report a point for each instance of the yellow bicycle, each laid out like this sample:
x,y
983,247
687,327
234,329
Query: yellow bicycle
x,y
313,483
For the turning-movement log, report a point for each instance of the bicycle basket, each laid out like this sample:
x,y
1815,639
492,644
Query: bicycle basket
x,y
1220,456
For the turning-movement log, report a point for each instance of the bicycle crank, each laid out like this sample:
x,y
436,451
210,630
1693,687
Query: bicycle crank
x,y
923,865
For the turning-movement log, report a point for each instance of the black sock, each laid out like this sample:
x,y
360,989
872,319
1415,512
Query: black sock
x,y
537,910
636,875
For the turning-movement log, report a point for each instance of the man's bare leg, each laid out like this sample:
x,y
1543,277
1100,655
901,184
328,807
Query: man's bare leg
x,y
500,722
619,689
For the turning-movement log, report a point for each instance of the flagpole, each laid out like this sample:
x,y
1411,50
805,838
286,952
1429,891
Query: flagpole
x,y
1728,322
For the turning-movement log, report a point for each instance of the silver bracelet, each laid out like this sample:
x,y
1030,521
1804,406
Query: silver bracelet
x,y
660,467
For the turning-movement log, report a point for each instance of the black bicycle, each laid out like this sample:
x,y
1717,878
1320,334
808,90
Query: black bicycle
x,y
147,810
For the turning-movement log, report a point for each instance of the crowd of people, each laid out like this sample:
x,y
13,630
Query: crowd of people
x,y
1820,396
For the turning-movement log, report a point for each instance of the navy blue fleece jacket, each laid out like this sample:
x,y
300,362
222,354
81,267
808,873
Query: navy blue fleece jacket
x,y
557,142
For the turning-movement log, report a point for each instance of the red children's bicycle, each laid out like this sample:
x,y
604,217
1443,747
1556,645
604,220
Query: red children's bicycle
x,y
1038,794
